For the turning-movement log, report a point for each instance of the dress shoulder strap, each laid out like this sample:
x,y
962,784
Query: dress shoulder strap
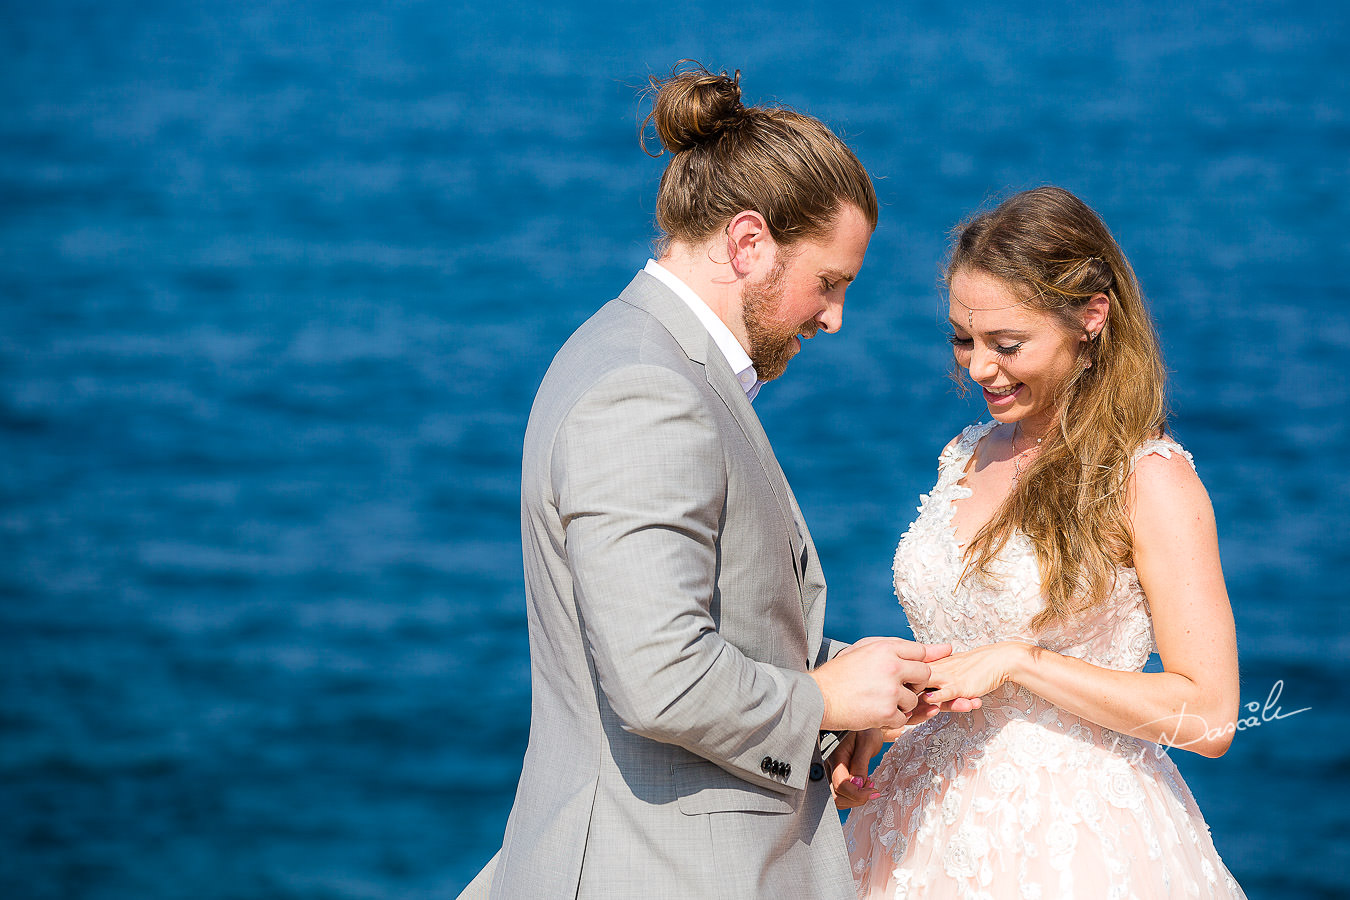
x,y
957,454
1162,446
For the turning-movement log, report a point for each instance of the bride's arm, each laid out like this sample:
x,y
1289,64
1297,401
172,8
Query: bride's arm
x,y
1193,703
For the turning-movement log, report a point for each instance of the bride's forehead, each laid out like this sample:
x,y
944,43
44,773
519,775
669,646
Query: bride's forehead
x,y
981,290
1001,313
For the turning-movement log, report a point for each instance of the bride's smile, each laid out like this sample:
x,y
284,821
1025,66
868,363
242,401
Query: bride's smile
x,y
1020,357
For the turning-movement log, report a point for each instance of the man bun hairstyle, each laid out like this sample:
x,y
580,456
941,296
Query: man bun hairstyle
x,y
726,157
694,106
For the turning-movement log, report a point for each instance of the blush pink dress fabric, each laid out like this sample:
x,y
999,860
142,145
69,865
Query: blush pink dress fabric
x,y
1022,799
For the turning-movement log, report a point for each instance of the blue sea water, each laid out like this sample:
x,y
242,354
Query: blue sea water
x,y
277,284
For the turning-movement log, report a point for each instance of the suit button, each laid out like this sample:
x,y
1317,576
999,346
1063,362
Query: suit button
x,y
817,771
787,771
766,765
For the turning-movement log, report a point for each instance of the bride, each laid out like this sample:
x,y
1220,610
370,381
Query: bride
x,y
1065,540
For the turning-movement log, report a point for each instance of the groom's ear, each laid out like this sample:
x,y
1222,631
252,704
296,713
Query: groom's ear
x,y
750,247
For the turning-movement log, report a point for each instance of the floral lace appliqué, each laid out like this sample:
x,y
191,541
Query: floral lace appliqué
x,y
1022,799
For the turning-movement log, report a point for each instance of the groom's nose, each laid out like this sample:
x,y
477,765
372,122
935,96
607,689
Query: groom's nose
x,y
832,318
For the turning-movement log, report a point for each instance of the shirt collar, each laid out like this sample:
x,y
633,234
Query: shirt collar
x,y
731,348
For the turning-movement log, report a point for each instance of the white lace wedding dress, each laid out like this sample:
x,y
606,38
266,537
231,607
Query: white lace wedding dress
x,y
1022,799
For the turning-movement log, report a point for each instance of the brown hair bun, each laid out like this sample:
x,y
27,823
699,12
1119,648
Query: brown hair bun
x,y
725,158
694,105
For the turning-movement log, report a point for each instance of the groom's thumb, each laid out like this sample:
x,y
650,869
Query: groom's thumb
x,y
934,652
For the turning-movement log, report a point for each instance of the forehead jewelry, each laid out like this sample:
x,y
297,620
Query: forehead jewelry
x,y
970,310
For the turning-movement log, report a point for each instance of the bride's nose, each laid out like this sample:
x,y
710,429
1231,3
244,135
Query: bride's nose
x,y
983,364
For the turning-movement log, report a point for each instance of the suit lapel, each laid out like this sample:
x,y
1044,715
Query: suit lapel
x,y
649,294
733,395
813,577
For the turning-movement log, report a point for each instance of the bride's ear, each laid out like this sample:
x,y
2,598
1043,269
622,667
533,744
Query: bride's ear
x,y
1095,312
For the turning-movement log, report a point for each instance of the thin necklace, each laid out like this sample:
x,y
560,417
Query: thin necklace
x,y
1017,454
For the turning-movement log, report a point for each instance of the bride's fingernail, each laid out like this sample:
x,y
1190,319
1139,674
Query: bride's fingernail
x,y
857,781
875,795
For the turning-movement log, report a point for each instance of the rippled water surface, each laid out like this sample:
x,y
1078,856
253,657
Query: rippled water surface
x,y
277,284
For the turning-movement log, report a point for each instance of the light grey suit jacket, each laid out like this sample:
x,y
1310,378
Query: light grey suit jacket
x,y
675,606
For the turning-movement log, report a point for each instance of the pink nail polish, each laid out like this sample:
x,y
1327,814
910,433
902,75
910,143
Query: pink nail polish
x,y
875,795
856,781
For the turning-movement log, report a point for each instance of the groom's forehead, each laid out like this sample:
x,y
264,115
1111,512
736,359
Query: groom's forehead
x,y
838,253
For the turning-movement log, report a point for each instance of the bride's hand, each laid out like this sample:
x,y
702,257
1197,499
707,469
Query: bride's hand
x,y
925,711
848,768
972,673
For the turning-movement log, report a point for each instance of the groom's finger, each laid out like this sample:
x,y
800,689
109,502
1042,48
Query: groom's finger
x,y
934,652
905,702
912,650
923,712
906,699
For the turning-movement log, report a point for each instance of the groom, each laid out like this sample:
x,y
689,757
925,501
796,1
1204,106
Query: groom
x,y
680,680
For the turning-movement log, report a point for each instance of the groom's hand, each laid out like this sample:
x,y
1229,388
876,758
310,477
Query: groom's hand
x,y
867,685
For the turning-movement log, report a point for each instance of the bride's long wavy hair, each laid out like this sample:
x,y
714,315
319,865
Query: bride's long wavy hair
x,y
1055,253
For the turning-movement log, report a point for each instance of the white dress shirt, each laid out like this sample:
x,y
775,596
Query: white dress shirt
x,y
731,348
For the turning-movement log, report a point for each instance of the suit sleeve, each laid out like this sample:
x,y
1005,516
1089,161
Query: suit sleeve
x,y
829,649
640,481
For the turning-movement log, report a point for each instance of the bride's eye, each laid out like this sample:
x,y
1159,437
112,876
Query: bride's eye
x,y
957,341
1001,350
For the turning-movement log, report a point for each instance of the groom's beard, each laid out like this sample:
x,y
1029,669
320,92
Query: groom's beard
x,y
772,343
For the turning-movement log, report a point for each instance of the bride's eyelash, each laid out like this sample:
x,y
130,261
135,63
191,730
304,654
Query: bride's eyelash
x,y
964,342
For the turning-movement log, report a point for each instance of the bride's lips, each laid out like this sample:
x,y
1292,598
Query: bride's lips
x,y
1001,399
